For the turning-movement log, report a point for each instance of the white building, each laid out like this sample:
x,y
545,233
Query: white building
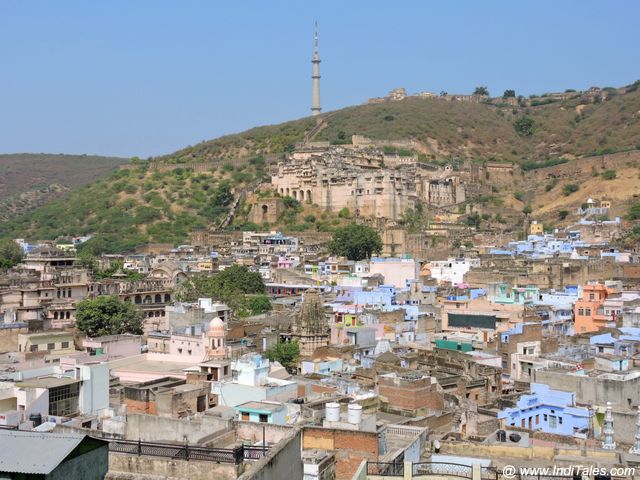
x,y
251,381
452,270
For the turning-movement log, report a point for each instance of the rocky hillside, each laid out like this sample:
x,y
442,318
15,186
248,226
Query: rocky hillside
x,y
577,125
163,200
29,180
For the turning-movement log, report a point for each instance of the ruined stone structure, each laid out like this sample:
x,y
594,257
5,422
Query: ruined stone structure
x,y
357,178
444,192
310,328
266,210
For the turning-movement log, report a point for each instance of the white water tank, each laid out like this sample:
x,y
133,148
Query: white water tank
x,y
354,414
332,412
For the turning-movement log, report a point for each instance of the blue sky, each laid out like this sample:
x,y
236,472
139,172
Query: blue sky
x,y
147,77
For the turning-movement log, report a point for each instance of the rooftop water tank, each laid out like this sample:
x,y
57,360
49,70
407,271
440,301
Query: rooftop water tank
x,y
332,412
354,414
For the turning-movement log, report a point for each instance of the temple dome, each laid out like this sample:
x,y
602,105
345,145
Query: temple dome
x,y
216,328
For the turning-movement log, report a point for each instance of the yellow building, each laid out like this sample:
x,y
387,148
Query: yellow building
x,y
536,228
205,266
53,343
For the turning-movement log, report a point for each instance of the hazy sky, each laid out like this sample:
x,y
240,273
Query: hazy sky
x,y
146,77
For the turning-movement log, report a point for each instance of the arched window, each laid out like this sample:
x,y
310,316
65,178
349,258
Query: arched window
x,y
55,315
309,196
167,297
138,299
68,315
158,298
147,299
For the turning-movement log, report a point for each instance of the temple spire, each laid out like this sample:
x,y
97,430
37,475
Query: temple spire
x,y
315,100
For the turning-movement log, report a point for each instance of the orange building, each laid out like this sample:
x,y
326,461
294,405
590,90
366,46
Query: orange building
x,y
588,312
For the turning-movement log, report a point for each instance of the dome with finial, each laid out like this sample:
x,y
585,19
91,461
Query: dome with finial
x,y
216,328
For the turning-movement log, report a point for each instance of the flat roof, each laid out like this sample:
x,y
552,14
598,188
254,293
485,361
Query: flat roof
x,y
140,363
261,407
48,334
47,382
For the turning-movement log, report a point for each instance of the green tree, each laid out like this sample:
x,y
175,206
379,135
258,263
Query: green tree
x,y
10,254
609,174
413,219
474,220
231,286
258,304
356,242
527,210
484,91
570,188
287,353
107,315
634,212
509,94
223,196
525,126
344,213
562,214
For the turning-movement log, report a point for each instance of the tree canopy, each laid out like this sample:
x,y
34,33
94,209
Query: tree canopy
x,y
286,353
10,254
107,315
525,126
241,289
356,242
484,91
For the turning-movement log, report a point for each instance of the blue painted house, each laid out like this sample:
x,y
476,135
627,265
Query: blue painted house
x,y
262,412
552,411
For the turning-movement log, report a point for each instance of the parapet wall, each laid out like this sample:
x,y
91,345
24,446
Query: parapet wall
x,y
583,166
131,466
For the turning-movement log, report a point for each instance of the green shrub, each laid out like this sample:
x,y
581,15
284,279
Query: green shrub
x,y
344,213
525,126
570,188
609,174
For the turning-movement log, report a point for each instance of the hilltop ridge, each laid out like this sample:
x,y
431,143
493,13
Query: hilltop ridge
x,y
572,124
164,199
28,180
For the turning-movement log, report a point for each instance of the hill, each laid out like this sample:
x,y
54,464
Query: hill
x,y
574,125
163,200
29,180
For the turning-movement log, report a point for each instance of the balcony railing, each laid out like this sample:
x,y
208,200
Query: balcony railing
x,y
387,469
186,452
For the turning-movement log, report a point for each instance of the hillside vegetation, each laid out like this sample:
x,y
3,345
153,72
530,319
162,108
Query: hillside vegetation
x,y
451,129
141,204
137,205
29,180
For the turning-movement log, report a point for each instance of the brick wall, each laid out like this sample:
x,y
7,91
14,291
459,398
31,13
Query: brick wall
x,y
410,395
138,406
350,447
